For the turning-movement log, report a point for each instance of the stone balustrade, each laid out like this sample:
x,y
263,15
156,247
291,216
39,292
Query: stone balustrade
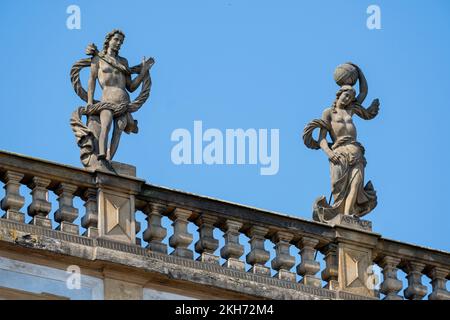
x,y
416,262
331,261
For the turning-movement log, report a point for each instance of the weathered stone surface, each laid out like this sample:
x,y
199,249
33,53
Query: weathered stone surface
x,y
391,285
232,250
13,201
149,263
123,169
308,266
283,262
155,232
415,289
122,290
90,220
206,244
331,272
341,245
40,207
66,212
116,216
352,222
181,238
438,281
355,260
258,255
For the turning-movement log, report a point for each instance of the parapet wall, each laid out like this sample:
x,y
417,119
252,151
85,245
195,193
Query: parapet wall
x,y
104,239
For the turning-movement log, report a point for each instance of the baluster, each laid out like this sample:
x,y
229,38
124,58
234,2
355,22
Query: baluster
x,y
308,267
66,213
181,239
258,255
331,272
90,218
438,282
391,285
415,289
283,262
155,232
232,250
40,206
13,201
137,228
206,244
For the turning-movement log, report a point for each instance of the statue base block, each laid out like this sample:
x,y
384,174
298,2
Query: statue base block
x,y
352,222
124,169
119,168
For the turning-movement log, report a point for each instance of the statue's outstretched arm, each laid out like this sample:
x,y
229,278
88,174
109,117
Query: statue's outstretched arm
x,y
367,113
92,80
132,85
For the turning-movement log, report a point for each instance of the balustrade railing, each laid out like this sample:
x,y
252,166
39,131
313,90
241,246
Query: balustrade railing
x,y
111,203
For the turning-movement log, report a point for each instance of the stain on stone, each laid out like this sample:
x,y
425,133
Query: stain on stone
x,y
26,240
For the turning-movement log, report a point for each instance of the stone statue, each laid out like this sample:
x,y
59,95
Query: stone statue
x,y
115,108
345,153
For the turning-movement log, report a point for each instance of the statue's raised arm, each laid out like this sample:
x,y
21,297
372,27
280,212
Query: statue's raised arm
x,y
349,74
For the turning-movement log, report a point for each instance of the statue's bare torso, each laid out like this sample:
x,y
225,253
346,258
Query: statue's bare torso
x,y
341,123
113,82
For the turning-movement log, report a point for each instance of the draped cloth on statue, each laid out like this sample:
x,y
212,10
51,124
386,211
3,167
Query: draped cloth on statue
x,y
352,163
118,110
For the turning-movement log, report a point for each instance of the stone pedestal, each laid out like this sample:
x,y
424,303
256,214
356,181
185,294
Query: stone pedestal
x,y
124,169
350,259
355,260
116,216
117,168
355,268
352,222
116,206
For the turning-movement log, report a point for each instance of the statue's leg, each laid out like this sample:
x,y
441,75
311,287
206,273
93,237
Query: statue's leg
x,y
119,125
356,181
106,118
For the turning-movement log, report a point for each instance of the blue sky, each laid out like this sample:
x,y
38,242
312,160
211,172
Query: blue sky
x,y
250,64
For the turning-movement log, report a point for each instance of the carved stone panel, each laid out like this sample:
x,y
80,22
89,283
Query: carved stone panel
x,y
355,269
116,216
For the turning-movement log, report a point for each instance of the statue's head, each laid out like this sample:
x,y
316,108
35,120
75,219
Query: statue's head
x,y
345,96
113,40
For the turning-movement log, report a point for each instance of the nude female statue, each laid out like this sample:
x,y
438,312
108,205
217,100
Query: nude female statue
x,y
345,153
114,108
113,75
